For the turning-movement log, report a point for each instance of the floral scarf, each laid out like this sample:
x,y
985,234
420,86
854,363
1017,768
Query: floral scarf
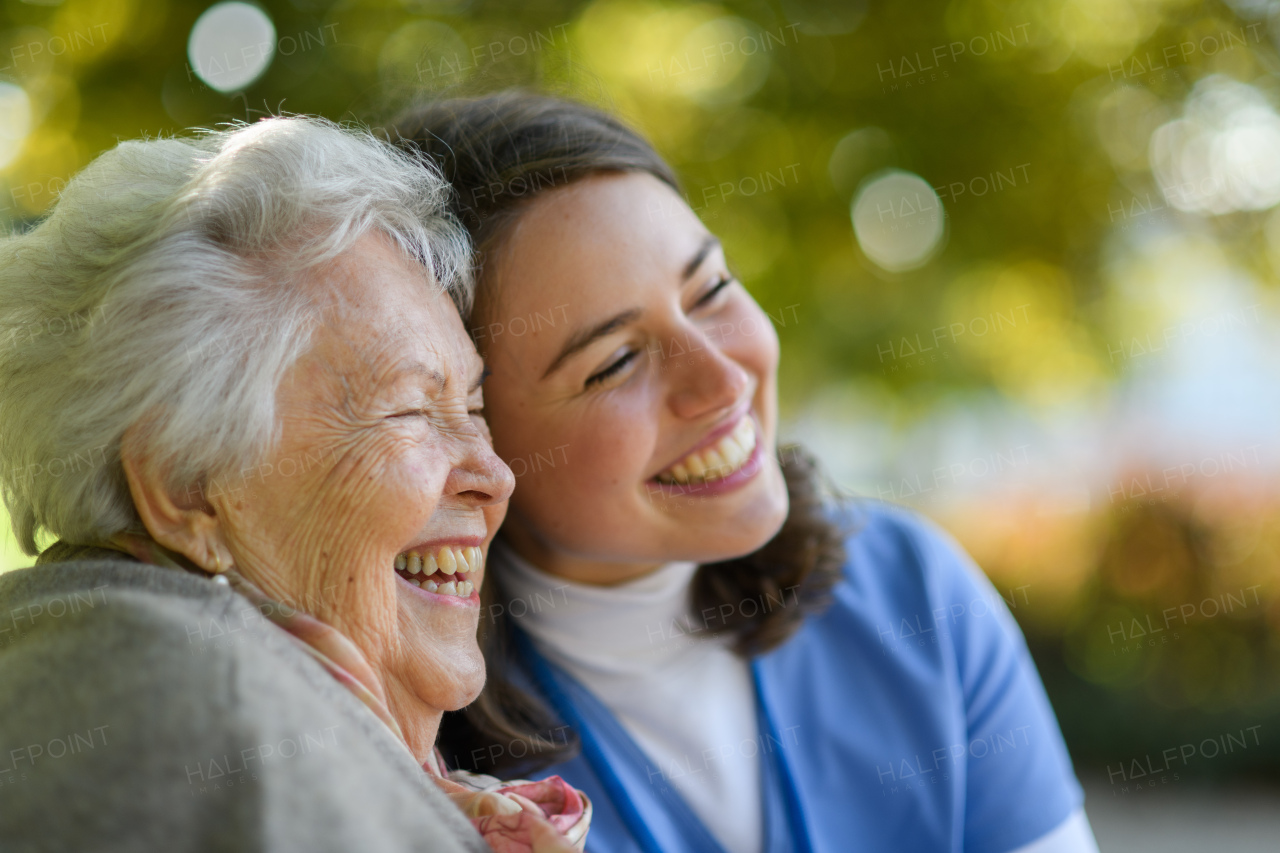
x,y
521,816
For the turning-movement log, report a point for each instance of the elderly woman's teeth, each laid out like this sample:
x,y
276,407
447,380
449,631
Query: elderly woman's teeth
x,y
446,560
438,571
715,462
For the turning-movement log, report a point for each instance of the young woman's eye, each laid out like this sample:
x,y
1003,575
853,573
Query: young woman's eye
x,y
714,291
615,367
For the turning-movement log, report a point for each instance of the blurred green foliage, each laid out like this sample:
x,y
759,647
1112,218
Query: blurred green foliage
x,y
773,113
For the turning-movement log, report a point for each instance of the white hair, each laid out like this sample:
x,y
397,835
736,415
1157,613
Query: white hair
x,y
163,289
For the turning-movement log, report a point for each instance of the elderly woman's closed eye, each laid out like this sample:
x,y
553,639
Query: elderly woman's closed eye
x,y
286,405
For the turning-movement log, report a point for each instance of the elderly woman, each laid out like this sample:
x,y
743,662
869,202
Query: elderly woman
x,y
239,400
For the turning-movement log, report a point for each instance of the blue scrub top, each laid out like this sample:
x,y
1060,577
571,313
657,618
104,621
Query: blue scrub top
x,y
908,716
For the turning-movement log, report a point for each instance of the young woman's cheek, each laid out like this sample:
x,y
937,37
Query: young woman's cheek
x,y
753,335
753,344
619,432
597,447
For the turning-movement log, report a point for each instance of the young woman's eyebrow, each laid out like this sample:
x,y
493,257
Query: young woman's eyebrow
x,y
709,243
583,338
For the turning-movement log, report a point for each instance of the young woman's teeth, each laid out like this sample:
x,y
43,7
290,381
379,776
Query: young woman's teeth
x,y
437,571
715,462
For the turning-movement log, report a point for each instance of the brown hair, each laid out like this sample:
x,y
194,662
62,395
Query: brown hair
x,y
500,152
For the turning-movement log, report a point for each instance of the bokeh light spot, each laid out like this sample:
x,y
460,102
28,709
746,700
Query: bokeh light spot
x,y
724,61
15,121
898,220
231,45
1223,155
858,154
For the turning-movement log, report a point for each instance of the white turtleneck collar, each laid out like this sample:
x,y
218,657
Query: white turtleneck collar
x,y
681,696
629,625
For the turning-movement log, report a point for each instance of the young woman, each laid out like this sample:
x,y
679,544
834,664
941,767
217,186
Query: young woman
x,y
679,623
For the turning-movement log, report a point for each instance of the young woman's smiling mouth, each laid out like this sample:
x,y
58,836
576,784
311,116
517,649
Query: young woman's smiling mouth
x,y
727,458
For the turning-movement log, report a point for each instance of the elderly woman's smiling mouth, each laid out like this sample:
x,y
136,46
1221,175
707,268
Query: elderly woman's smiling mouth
x,y
449,572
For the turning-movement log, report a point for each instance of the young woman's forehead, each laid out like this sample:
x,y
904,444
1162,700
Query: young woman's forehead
x,y
610,225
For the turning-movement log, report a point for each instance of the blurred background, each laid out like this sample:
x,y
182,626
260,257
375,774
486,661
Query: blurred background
x,y
1022,256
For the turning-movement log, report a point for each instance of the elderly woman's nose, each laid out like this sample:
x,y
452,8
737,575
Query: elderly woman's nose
x,y
480,477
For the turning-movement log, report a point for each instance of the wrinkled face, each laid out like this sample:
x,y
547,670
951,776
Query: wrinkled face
x,y
384,466
634,385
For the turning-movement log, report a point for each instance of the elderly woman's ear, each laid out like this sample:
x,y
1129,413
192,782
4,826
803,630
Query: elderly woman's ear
x,y
181,519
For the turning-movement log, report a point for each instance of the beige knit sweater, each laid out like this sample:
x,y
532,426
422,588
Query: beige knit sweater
x,y
145,709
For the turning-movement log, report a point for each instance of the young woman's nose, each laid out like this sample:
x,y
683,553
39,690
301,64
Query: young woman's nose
x,y
705,381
